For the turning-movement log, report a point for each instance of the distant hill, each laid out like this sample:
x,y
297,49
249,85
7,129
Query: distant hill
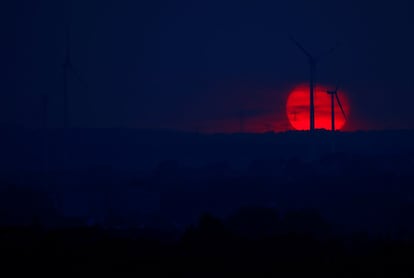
x,y
142,150
357,180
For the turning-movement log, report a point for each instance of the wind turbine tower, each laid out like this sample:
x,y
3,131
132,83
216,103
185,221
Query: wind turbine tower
x,y
242,119
312,64
334,96
68,69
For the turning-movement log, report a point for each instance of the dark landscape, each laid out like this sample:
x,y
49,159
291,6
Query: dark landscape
x,y
219,138
271,203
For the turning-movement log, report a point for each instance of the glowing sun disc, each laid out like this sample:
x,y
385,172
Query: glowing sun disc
x,y
297,108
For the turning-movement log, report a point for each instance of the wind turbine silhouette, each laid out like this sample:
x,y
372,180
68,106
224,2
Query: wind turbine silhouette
x,y
68,69
312,63
242,119
334,95
45,136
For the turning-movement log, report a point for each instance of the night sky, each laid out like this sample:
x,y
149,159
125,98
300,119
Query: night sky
x,y
197,65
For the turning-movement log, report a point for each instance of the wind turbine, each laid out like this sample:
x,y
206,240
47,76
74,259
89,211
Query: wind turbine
x,y
334,95
312,63
45,123
242,118
68,69
45,136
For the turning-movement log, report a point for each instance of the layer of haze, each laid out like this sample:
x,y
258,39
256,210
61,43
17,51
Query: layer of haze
x,y
200,65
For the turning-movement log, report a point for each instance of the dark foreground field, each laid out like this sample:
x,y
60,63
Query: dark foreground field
x,y
162,204
212,248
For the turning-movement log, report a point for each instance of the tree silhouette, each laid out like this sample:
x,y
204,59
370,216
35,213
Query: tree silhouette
x,y
254,222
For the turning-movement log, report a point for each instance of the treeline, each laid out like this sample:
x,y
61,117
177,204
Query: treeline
x,y
173,196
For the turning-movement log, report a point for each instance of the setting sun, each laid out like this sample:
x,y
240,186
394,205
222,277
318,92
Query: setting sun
x,y
297,108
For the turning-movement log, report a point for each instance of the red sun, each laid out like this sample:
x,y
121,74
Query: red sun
x,y
297,108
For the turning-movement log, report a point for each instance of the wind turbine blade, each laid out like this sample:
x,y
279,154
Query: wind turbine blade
x,y
329,52
337,87
340,105
67,33
301,47
78,76
68,42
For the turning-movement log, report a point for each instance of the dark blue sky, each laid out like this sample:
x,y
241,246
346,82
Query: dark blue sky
x,y
196,64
